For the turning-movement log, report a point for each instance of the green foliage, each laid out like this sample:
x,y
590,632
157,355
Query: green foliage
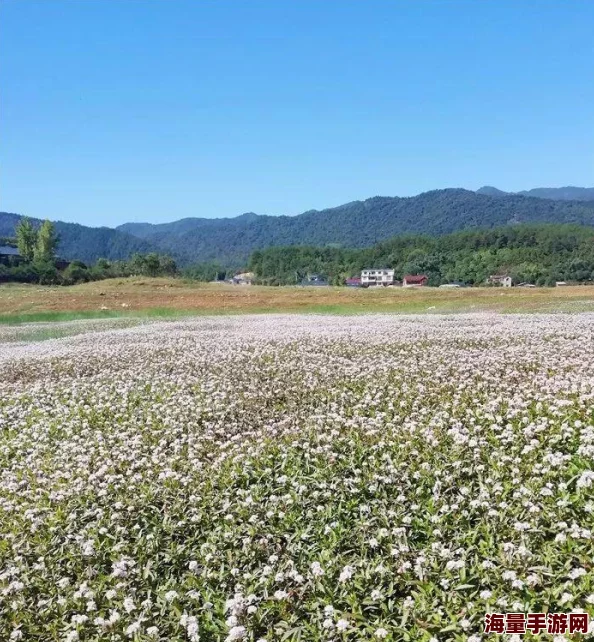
x,y
47,272
26,238
76,272
46,242
539,254
209,271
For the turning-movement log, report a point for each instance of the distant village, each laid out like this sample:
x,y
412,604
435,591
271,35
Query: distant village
x,y
375,277
385,277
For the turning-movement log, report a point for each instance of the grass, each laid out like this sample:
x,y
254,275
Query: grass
x,y
174,298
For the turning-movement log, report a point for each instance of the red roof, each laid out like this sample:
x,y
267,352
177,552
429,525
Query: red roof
x,y
415,278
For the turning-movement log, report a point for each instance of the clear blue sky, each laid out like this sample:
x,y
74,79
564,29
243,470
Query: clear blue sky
x,y
153,110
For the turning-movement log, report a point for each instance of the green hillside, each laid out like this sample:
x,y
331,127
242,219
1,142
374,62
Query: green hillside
x,y
538,254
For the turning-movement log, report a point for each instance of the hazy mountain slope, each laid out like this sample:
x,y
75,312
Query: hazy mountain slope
x,y
85,243
356,224
568,193
489,190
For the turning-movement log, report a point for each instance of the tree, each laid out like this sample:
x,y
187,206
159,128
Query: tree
x,y
76,272
167,266
26,236
152,264
137,264
45,249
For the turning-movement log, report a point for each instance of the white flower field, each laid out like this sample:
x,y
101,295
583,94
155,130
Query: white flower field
x,y
309,478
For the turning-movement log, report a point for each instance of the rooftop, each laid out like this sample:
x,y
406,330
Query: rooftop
x,y
8,249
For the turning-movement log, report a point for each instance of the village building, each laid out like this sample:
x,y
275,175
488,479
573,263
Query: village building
x,y
377,276
315,279
414,280
353,282
9,255
245,278
501,279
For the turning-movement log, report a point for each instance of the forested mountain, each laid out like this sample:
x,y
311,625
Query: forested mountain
x,y
538,254
568,193
85,243
358,224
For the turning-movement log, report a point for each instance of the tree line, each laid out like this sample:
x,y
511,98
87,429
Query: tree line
x,y
539,254
37,262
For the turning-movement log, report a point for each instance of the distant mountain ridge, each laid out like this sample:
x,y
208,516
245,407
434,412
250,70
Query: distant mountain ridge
x,y
569,193
357,224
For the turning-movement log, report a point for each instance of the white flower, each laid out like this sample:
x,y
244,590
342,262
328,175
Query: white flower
x,y
566,597
88,548
129,605
132,629
518,584
381,633
193,565
342,624
236,633
192,629
586,479
114,617
346,574
316,569
152,632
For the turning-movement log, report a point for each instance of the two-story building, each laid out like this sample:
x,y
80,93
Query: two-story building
x,y
376,276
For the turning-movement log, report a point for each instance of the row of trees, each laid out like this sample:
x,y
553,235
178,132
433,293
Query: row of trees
x,y
37,262
539,254
47,273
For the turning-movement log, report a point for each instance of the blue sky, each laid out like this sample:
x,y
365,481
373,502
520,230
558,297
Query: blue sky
x,y
153,110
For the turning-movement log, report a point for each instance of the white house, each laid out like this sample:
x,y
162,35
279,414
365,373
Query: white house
x,y
501,279
245,278
377,277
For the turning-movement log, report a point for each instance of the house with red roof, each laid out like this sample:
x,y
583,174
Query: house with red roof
x,y
414,280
